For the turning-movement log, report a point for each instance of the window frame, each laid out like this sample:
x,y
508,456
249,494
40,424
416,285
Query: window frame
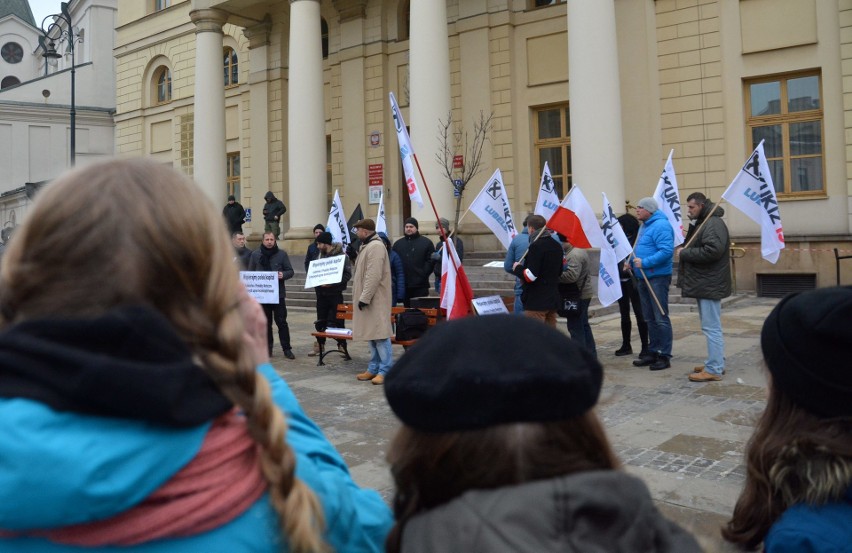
x,y
784,119
563,141
160,5
161,71
231,67
531,4
232,179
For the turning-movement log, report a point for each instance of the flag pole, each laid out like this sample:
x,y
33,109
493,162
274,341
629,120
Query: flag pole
x,y
545,226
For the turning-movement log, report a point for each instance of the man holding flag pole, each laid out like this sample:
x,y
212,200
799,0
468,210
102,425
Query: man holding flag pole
x,y
653,258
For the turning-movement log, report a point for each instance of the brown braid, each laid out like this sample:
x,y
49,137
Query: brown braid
x,y
143,226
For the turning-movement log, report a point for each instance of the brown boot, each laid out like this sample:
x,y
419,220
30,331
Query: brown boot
x,y
378,380
316,350
365,376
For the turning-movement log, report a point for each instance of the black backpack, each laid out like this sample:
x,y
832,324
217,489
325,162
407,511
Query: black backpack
x,y
411,324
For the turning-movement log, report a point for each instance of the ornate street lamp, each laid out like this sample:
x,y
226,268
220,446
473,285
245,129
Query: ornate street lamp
x,y
59,29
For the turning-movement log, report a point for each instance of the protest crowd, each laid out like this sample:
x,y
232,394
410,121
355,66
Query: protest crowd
x,y
147,418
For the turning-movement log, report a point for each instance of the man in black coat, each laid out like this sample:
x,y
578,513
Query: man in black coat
x,y
235,215
273,210
539,273
268,257
416,254
242,255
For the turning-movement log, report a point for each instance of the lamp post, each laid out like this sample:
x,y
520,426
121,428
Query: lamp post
x,y
58,29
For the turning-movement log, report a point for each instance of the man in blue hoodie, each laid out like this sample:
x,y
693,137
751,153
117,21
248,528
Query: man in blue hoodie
x,y
653,262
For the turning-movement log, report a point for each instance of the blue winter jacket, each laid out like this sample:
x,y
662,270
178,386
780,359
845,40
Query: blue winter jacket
x,y
806,529
655,245
61,468
517,248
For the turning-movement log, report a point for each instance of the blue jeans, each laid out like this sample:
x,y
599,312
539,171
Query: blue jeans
x,y
518,309
710,313
659,324
381,356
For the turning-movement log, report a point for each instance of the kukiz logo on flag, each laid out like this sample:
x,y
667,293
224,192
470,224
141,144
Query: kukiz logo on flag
x,y
494,189
764,198
546,183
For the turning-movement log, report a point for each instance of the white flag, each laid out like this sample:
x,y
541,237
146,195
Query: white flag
x,y
668,198
548,199
753,193
491,205
381,221
406,152
337,222
613,232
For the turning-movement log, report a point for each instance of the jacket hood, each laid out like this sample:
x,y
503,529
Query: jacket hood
x,y
588,511
336,249
708,207
269,197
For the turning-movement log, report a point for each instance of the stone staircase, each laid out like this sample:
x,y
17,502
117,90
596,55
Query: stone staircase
x,y
486,281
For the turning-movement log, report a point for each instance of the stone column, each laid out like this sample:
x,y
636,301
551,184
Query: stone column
x,y
429,67
258,169
594,93
306,160
209,154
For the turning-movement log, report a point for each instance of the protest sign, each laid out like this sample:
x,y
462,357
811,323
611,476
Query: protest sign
x,y
327,270
261,285
489,305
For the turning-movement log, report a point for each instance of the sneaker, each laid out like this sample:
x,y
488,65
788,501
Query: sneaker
x,y
624,350
660,364
288,353
700,368
366,375
704,376
644,361
378,380
316,351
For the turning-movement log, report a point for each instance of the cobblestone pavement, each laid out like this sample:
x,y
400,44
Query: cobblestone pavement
x,y
684,439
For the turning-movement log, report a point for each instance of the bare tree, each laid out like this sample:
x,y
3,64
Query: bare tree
x,y
455,141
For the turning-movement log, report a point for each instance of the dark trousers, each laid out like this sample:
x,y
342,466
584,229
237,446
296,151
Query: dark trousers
x,y
578,326
327,311
630,296
279,313
414,293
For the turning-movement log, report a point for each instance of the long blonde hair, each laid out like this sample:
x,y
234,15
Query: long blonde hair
x,y
135,232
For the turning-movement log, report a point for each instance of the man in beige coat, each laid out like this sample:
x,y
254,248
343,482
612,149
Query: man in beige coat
x,y
371,296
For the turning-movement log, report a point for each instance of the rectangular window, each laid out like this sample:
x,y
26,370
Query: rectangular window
x,y
233,175
161,4
544,3
553,145
786,113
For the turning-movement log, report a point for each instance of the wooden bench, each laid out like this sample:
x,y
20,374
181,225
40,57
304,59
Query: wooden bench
x,y
344,312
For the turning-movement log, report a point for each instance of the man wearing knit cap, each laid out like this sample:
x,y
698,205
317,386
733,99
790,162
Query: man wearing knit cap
x,y
416,254
540,272
371,296
234,214
652,262
330,295
313,250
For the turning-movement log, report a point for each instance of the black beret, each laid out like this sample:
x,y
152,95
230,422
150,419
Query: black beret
x,y
805,341
484,371
411,221
324,238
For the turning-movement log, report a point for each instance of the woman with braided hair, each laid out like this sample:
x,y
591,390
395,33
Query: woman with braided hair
x,y
138,408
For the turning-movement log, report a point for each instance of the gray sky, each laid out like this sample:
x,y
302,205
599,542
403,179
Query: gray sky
x,y
43,8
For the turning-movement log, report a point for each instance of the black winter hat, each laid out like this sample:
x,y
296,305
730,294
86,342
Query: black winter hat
x,y
411,221
804,341
484,371
231,198
324,238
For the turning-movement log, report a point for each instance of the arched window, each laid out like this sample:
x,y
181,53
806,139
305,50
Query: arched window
x,y
404,20
324,33
9,81
163,85
230,68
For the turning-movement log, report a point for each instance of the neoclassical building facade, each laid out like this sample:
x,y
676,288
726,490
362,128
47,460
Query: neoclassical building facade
x,y
250,96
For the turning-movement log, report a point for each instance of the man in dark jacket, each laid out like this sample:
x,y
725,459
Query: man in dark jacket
x,y
235,215
330,295
273,210
268,257
313,249
242,255
704,273
416,254
540,271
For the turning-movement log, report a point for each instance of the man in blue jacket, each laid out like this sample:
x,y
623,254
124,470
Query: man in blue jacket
x,y
653,260
517,248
